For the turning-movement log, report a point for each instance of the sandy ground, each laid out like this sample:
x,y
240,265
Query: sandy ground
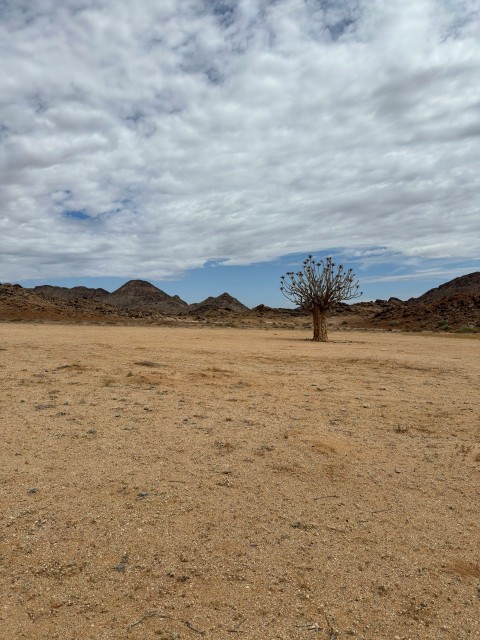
x,y
221,483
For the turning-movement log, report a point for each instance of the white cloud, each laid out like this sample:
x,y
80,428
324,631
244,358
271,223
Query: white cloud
x,y
235,131
421,274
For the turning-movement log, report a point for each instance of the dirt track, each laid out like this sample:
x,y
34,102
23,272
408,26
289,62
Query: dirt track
x,y
222,483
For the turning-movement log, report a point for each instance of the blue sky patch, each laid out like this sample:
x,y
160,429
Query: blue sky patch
x,y
75,215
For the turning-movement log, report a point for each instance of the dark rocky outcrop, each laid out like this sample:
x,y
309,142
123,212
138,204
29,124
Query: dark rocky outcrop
x,y
452,305
140,294
72,293
463,286
223,303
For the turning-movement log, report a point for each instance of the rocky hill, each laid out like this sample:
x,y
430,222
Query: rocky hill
x,y
135,300
224,303
21,304
453,305
463,286
135,294
139,294
66,293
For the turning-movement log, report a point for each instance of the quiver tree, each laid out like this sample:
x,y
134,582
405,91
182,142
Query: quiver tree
x,y
318,287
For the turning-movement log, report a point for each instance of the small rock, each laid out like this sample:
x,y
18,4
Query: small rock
x,y
33,490
40,407
92,431
299,525
122,564
147,363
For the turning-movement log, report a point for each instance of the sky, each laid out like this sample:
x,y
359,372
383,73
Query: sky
x,y
210,145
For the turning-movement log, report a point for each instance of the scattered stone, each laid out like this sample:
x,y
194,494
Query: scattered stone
x,y
121,566
33,490
299,525
147,363
92,431
40,407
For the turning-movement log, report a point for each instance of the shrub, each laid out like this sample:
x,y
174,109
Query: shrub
x,y
467,328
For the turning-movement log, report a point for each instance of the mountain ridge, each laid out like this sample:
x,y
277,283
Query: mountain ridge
x,y
70,293
452,305
136,295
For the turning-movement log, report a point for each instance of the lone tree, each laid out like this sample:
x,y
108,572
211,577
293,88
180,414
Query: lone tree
x,y
318,287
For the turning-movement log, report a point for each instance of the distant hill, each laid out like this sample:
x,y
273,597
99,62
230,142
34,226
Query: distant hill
x,y
452,305
18,303
134,294
65,293
223,303
134,299
140,294
464,285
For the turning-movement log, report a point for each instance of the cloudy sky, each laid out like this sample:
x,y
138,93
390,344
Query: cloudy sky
x,y
211,144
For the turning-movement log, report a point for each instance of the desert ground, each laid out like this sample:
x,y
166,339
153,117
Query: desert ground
x,y
177,483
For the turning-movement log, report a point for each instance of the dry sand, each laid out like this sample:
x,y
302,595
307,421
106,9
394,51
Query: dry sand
x,y
222,483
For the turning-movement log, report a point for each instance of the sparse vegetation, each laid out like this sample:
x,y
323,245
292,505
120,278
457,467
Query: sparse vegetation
x,y
401,428
467,329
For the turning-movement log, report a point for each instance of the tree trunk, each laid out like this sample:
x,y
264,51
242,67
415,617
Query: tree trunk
x,y
319,324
